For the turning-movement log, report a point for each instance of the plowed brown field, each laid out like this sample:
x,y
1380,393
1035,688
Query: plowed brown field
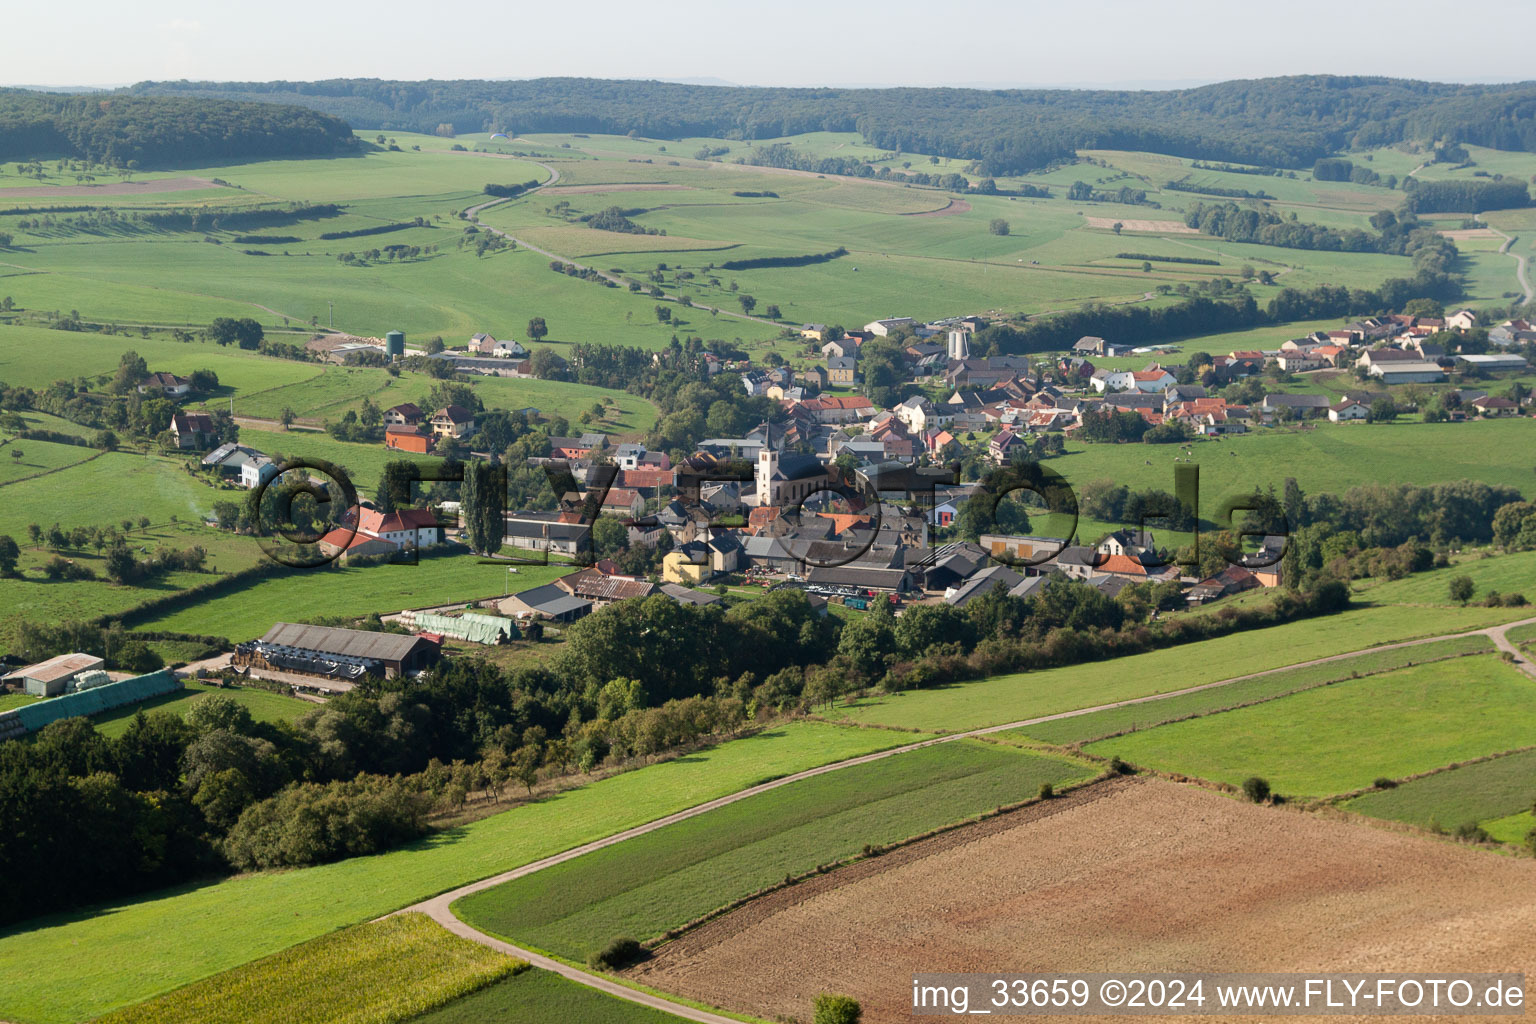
x,y
1131,875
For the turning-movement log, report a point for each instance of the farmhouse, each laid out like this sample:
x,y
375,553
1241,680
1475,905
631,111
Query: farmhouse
x,y
1491,407
251,466
1348,410
407,414
192,430
453,421
167,384
842,369
56,675
546,531
338,653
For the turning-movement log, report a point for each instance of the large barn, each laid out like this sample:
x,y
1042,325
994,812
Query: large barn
x,y
340,653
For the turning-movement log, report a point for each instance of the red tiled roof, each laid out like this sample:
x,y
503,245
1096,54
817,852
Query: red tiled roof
x,y
372,521
634,478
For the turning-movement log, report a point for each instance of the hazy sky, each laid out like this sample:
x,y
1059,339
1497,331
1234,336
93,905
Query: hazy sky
x,y
781,42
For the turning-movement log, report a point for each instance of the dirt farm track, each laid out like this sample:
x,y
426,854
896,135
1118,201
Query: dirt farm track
x,y
1130,875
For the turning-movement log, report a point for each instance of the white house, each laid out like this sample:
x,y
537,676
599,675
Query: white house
x,y
1348,410
919,414
256,471
1153,381
1112,380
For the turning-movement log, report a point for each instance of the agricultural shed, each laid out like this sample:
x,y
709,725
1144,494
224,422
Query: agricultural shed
x,y
54,676
330,650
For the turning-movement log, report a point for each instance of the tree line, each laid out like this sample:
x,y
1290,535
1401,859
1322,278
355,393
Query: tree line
x,y
130,130
1274,122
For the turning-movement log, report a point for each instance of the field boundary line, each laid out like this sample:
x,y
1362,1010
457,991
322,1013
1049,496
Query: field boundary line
x,y
1338,798
439,907
1331,681
55,469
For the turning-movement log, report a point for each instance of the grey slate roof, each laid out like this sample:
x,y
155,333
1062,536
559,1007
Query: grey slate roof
x,y
355,643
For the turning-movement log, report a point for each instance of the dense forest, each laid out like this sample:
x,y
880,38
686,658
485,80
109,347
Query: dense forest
x,y
1272,122
156,131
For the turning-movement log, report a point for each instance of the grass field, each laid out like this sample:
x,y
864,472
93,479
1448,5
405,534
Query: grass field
x,y
1478,792
263,705
15,700
1084,728
925,265
1506,574
350,590
1515,828
1329,457
33,596
376,973
1019,696
667,878
542,997
1339,738
146,947
116,486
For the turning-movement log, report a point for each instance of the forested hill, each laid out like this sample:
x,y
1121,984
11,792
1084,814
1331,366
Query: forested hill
x,y
1287,122
162,131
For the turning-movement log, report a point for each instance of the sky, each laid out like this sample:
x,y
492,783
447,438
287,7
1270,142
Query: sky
x,y
986,43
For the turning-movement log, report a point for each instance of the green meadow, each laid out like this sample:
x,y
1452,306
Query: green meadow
x,y
1085,728
336,589
908,260
669,877
540,997
381,972
1010,698
1329,457
162,941
263,705
1480,792
1340,738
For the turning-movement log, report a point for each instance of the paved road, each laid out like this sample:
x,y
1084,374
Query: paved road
x,y
439,907
1520,265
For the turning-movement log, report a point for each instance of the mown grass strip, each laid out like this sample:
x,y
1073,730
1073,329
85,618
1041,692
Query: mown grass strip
x,y
1118,721
1488,789
542,997
665,879
376,973
1338,739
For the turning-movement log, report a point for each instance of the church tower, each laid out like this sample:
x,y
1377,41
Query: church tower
x,y
767,469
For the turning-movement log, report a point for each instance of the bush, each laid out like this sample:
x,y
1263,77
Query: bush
x,y
1047,791
1385,783
1256,789
1119,767
618,954
831,1009
1471,832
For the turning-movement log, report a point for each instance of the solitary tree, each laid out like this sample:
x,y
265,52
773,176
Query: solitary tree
x,y
1462,588
286,417
748,303
10,552
998,226
537,329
